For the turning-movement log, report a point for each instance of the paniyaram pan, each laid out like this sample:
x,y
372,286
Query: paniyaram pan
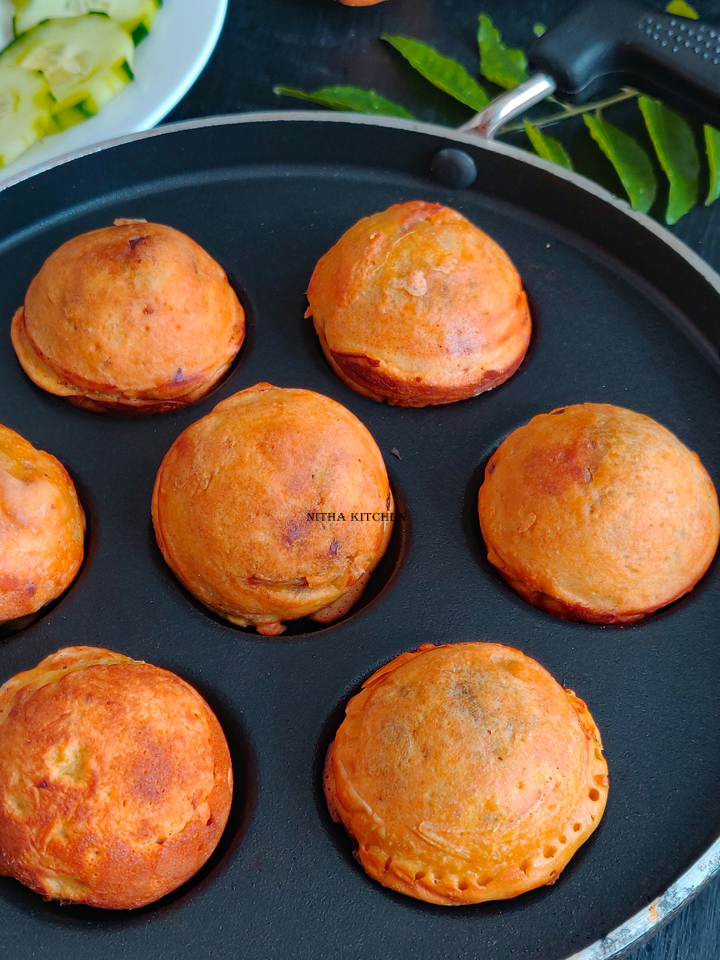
x,y
623,313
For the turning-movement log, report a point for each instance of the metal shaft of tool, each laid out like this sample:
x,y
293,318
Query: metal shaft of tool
x,y
509,105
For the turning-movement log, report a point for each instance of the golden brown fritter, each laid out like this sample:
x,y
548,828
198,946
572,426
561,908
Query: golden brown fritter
x,y
42,527
133,318
115,779
416,306
274,506
597,513
466,773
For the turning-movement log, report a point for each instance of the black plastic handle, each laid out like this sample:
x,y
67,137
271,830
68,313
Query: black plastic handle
x,y
667,56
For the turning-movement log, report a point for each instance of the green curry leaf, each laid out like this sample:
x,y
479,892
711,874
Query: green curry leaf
x,y
681,9
712,149
674,144
499,63
348,98
443,72
548,147
631,162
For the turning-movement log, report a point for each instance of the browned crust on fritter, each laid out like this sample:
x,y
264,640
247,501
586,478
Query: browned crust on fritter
x,y
42,531
154,330
98,400
365,375
597,513
428,818
416,306
345,603
234,494
115,779
582,613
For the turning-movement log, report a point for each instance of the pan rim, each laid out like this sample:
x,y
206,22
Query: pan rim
x,y
398,123
647,921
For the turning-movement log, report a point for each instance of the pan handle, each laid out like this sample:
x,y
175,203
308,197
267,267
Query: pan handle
x,y
667,56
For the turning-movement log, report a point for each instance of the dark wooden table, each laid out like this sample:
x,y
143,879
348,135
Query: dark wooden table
x,y
313,43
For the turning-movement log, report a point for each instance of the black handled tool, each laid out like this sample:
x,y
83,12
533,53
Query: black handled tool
x,y
667,56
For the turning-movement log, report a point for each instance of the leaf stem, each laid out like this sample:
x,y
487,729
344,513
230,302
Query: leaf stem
x,y
627,94
559,103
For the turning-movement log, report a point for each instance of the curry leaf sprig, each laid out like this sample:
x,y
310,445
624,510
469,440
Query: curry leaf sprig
x,y
443,72
672,138
349,98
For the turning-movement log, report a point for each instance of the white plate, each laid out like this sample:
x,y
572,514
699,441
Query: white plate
x,y
167,63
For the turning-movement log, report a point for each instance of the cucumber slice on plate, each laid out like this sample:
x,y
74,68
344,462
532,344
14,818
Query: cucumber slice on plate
x,y
24,111
134,16
85,60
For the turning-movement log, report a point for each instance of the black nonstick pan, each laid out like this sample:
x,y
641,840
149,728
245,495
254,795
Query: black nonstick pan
x,y
623,313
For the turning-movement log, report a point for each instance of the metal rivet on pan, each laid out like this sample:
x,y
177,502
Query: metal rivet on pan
x,y
454,168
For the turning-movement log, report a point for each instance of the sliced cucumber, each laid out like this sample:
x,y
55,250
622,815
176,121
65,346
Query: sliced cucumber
x,y
134,16
85,60
24,110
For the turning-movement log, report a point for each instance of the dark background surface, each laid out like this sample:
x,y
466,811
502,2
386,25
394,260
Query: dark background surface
x,y
313,43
